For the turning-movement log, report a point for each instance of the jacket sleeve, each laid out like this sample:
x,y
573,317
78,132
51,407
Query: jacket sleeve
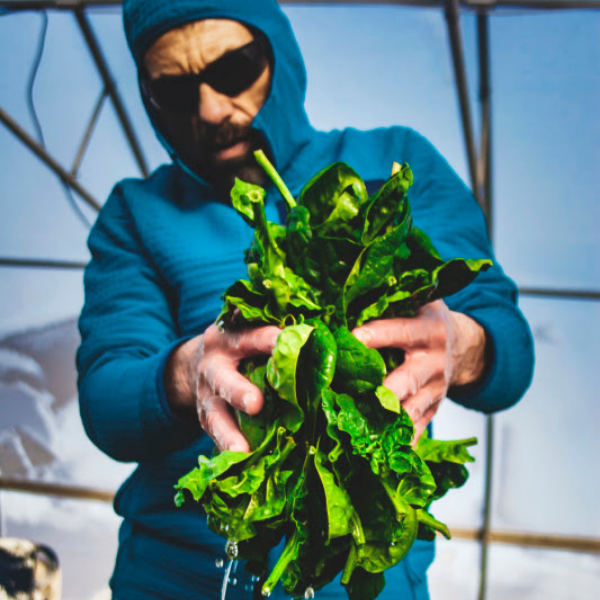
x,y
127,333
448,212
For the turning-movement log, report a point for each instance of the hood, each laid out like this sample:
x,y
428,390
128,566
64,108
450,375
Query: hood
x,y
282,119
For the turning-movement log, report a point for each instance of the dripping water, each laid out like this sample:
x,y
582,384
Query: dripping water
x,y
226,579
231,549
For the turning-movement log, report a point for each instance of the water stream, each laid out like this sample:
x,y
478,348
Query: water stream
x,y
231,550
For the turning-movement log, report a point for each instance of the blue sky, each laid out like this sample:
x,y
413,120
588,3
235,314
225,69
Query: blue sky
x,y
367,67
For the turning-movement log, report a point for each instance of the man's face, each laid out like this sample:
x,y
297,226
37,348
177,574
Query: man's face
x,y
214,137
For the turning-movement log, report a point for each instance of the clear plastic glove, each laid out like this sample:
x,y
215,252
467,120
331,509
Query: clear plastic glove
x,y
202,380
441,348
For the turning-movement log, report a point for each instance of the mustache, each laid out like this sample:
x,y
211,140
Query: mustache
x,y
216,137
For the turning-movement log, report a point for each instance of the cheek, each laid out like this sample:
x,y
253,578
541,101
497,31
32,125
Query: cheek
x,y
251,101
182,129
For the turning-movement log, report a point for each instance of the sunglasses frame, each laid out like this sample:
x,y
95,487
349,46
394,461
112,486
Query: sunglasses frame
x,y
260,42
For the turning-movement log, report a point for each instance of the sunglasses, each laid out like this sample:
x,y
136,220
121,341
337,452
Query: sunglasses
x,y
231,74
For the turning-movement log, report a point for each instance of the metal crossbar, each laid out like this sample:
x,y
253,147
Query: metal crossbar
x,y
486,5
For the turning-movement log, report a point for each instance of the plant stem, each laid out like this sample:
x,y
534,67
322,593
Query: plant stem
x,y
264,162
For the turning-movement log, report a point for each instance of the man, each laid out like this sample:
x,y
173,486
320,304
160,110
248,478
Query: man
x,y
219,80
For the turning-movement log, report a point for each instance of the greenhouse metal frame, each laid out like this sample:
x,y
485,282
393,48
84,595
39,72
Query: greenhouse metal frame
x,y
480,169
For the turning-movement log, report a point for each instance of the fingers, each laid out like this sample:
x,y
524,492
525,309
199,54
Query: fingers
x,y
428,328
220,376
419,405
419,369
217,420
221,387
244,342
423,422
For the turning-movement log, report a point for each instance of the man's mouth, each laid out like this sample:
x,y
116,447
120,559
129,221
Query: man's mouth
x,y
235,150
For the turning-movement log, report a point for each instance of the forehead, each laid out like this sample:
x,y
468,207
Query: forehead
x,y
190,47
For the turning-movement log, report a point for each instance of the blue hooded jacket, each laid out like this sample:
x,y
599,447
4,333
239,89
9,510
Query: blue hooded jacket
x,y
164,250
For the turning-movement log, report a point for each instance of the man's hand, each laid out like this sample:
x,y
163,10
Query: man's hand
x,y
202,381
442,348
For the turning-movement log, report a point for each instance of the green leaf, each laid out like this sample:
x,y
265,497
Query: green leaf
x,y
197,480
446,460
281,371
359,369
327,198
331,468
388,399
364,585
387,205
246,197
319,361
428,521
340,512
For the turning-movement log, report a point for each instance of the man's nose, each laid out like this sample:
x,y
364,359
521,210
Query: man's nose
x,y
213,107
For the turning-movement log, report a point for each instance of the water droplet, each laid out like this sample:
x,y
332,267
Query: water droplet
x,y
309,593
231,549
266,592
255,578
219,563
233,581
393,544
221,326
226,580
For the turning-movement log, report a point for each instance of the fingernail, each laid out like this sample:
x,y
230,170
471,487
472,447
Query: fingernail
x,y
248,401
362,335
415,415
239,447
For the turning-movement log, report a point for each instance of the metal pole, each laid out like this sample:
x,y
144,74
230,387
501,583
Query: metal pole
x,y
564,294
41,263
533,540
53,489
485,195
88,133
456,47
111,88
20,5
485,100
52,164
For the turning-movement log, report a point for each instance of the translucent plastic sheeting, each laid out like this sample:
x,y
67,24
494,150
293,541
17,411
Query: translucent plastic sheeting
x,y
36,219
546,465
514,573
546,93
108,27
454,574
108,158
41,434
82,533
380,66
520,573
34,297
66,85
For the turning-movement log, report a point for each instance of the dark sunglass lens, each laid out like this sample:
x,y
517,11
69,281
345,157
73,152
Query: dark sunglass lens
x,y
237,71
177,94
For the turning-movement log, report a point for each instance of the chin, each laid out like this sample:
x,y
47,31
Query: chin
x,y
222,174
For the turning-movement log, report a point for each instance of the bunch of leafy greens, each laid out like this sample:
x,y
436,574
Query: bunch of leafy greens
x,y
331,468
